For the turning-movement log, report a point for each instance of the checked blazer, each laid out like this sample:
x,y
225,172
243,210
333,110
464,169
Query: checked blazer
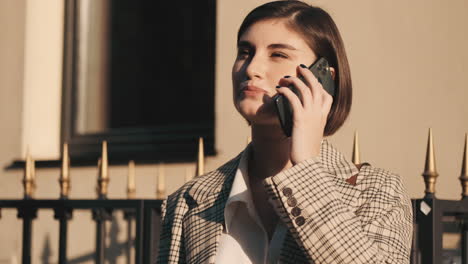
x,y
334,213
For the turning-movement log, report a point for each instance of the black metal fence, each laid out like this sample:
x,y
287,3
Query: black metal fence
x,y
145,214
436,221
433,219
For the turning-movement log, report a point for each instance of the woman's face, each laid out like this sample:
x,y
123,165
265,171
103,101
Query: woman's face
x,y
267,51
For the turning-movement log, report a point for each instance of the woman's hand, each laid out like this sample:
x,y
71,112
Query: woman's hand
x,y
309,116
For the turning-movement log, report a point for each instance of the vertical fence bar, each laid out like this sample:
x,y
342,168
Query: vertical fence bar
x,y
63,215
27,236
147,239
129,216
426,224
100,245
152,226
63,233
101,215
415,253
430,230
139,221
464,243
27,214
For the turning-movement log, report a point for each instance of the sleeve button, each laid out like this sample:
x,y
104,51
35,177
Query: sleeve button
x,y
292,201
287,191
296,211
299,221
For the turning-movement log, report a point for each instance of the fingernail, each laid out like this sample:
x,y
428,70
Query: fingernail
x,y
287,76
303,66
278,86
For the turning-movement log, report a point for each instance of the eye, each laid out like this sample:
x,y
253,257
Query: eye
x,y
279,55
243,53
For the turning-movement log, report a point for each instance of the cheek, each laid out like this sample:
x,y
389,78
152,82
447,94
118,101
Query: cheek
x,y
278,72
235,74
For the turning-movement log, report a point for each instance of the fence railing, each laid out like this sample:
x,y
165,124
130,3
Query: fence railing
x,y
433,218
440,233
145,214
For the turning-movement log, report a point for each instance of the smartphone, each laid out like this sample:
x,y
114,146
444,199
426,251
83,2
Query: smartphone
x,y
321,71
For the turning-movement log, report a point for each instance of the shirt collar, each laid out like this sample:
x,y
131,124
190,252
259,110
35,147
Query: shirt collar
x,y
240,194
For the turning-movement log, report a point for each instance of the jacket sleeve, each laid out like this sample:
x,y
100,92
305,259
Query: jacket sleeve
x,y
330,230
163,246
171,246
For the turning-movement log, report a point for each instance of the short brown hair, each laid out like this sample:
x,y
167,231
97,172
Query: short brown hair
x,y
321,34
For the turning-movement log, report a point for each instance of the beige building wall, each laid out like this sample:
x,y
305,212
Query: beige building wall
x,y
409,64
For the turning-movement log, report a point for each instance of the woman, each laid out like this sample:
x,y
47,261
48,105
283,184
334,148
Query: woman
x,y
289,199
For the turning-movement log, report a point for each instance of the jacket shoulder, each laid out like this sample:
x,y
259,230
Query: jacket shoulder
x,y
375,176
204,183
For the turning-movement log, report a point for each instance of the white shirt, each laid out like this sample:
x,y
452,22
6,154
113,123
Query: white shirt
x,y
245,240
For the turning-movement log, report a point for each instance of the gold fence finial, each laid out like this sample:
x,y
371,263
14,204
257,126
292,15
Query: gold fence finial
x,y
161,183
64,179
356,151
430,172
33,175
201,158
105,162
28,178
103,168
131,187
464,170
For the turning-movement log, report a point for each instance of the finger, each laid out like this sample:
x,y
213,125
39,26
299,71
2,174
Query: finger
x,y
305,74
312,81
296,104
327,103
302,89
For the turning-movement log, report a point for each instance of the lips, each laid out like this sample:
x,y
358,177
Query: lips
x,y
252,89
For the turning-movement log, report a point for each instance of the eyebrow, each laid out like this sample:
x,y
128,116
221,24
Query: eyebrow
x,y
271,46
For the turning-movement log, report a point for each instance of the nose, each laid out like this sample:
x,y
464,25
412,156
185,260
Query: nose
x,y
255,68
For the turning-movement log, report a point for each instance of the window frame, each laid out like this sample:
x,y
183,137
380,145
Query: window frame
x,y
171,143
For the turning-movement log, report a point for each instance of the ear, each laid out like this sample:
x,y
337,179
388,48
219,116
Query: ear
x,y
333,73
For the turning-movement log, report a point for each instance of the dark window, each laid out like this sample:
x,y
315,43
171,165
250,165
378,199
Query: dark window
x,y
159,94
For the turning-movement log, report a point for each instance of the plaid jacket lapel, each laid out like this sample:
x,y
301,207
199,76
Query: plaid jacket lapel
x,y
203,223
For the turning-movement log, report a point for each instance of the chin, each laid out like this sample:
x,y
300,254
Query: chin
x,y
257,112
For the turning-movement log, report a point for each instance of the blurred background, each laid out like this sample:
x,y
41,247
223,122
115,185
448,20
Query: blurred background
x,y
409,65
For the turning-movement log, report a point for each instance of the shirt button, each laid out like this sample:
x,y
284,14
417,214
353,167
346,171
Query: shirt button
x,y
292,201
287,191
296,211
299,221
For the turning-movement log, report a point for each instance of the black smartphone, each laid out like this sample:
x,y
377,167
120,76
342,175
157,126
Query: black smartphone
x,y
321,71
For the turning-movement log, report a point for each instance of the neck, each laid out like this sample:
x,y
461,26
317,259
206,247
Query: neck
x,y
270,152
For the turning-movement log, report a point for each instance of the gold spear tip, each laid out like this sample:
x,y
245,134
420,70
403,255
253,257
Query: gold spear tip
x,y
131,180
27,165
65,149
104,161
464,170
201,158
65,162
27,178
33,169
464,173
161,182
356,158
104,150
200,144
430,165
131,164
